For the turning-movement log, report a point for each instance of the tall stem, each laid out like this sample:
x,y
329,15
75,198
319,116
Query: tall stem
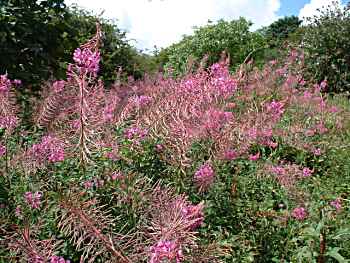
x,y
6,157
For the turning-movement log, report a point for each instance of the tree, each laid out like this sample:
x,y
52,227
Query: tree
x,y
37,40
30,33
282,28
232,37
326,44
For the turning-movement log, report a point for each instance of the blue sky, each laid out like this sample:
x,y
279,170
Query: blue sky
x,y
291,7
163,22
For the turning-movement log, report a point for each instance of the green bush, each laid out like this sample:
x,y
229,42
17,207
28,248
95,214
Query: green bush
x,y
233,37
326,44
37,40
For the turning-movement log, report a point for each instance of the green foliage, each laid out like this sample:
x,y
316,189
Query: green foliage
x,y
326,44
232,37
282,28
30,38
38,40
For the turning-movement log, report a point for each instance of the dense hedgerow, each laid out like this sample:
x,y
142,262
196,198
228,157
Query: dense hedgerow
x,y
326,47
212,167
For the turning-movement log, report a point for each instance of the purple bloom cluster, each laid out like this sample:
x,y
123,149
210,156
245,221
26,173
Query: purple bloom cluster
x,y
194,213
49,149
216,119
136,134
57,259
6,84
222,81
230,155
166,250
8,122
86,60
2,150
58,86
33,199
142,100
299,213
276,109
336,204
204,176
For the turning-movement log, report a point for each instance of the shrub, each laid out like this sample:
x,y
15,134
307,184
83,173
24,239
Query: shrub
x,y
211,40
326,48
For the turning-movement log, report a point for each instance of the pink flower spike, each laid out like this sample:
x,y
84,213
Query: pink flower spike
x,y
254,157
336,204
230,155
299,213
204,177
159,147
2,150
116,175
88,185
333,109
58,86
33,199
317,152
307,172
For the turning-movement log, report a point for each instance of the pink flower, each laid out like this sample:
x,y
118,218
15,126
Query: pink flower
x,y
159,147
88,184
5,84
18,211
336,204
2,150
194,213
17,82
307,95
8,122
216,119
57,259
49,149
272,144
324,85
116,175
86,60
333,109
302,82
204,177
230,155
276,108
278,170
113,155
142,100
310,133
299,213
321,128
166,251
58,86
254,157
33,199
136,134
307,172
317,152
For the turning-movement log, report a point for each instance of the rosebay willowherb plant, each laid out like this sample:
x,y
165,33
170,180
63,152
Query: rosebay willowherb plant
x,y
212,167
236,113
73,108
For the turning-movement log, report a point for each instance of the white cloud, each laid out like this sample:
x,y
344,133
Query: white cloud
x,y
163,22
310,9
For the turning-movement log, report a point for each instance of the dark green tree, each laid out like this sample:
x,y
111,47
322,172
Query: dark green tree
x,y
327,48
282,28
37,39
30,34
233,37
